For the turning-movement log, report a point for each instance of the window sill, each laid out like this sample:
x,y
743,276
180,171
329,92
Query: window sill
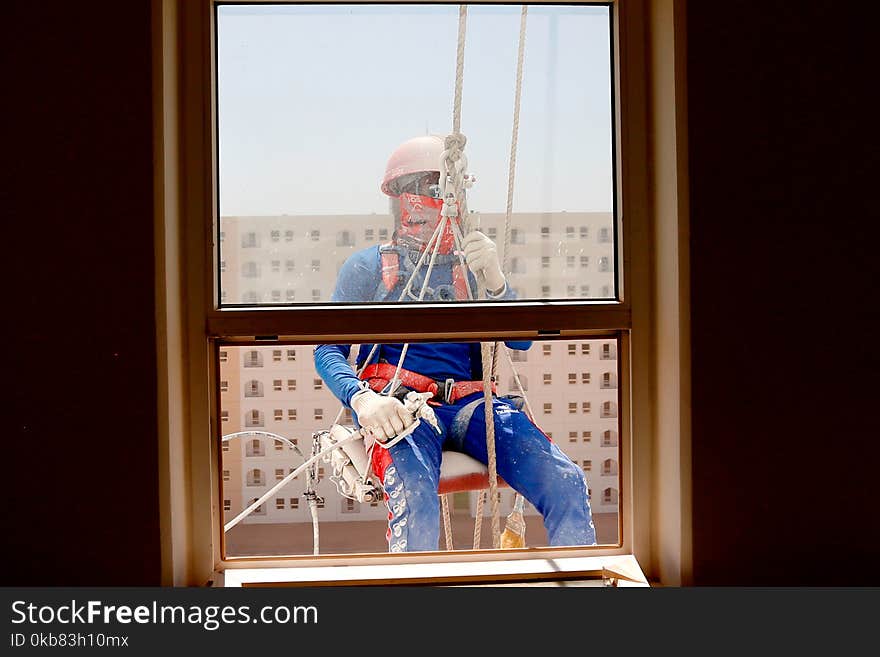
x,y
614,570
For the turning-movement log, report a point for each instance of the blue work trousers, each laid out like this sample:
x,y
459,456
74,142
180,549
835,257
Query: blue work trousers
x,y
526,459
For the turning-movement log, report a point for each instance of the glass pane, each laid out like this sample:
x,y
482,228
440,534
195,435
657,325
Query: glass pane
x,y
569,389
329,154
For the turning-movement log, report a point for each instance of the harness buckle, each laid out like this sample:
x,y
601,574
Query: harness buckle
x,y
448,387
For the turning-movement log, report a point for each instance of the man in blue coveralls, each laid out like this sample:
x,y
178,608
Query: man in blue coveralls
x,y
410,469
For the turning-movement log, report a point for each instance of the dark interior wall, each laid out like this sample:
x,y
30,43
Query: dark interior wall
x,y
80,461
784,250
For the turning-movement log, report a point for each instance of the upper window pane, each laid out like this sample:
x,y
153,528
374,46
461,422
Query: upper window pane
x,y
329,154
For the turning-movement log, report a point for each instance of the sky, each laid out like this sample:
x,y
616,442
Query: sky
x,y
312,99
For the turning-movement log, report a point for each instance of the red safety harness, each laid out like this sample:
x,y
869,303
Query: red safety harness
x,y
379,375
391,269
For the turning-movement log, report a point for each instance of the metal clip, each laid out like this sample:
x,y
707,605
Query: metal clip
x,y
447,390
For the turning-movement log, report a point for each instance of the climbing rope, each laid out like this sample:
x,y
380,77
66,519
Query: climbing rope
x,y
511,175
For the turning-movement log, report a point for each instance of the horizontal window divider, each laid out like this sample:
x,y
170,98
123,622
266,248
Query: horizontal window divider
x,y
357,324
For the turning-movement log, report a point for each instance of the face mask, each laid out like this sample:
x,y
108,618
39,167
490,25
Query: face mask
x,y
419,217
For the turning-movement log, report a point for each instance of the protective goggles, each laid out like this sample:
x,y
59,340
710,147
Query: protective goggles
x,y
423,184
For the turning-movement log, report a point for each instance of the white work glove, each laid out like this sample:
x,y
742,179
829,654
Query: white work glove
x,y
383,416
481,256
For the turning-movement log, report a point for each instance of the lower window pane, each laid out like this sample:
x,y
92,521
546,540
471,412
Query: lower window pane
x,y
556,434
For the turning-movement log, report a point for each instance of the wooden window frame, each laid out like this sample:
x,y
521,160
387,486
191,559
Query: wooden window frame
x,y
649,320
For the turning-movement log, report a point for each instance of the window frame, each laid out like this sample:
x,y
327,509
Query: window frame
x,y
186,206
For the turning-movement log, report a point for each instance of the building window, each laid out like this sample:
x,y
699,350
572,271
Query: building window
x,y
609,409
383,234
288,235
585,377
316,265
276,355
609,496
224,356
291,413
572,349
224,417
608,352
275,235
585,262
260,510
289,265
226,475
291,385
276,385
585,290
250,270
222,266
279,474
279,502
572,407
254,447
492,233
250,297
517,236
349,506
253,358
587,436
604,235
587,465
546,349
279,446
586,407
518,355
291,354
253,388
608,380
591,319
584,232
572,436
604,264
278,415
249,240
294,502
545,262
585,348
253,418
227,505
291,295
222,236
255,478
609,467
276,296
548,378
224,386
523,379
609,438
517,265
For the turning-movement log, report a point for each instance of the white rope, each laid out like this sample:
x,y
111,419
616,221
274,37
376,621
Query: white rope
x,y
292,475
478,519
459,69
447,523
511,175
